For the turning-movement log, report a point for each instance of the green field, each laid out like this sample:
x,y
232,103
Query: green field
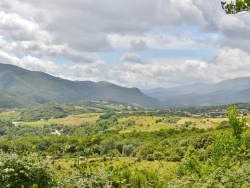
x,y
148,123
203,123
142,123
72,120
139,123
10,114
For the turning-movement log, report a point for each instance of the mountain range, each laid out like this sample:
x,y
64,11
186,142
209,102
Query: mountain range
x,y
23,88
225,92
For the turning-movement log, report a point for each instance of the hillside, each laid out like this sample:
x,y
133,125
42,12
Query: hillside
x,y
41,88
9,100
224,92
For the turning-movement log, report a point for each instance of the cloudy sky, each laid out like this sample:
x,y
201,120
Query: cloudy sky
x,y
141,43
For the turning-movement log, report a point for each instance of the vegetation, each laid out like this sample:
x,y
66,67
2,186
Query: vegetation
x,y
236,6
237,124
24,171
124,148
49,111
20,88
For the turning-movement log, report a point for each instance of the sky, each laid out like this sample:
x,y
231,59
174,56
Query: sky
x,y
132,43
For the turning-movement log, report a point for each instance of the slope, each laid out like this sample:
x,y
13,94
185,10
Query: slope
x,y
40,88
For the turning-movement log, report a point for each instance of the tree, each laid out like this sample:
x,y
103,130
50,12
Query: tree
x,y
236,6
237,124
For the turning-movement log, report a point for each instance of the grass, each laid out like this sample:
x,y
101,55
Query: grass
x,y
11,114
163,168
64,167
166,170
69,120
142,123
125,124
203,123
148,123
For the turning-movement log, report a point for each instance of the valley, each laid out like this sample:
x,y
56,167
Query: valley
x,y
105,143
124,94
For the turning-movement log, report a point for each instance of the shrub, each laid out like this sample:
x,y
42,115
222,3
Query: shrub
x,y
127,150
150,157
24,171
158,155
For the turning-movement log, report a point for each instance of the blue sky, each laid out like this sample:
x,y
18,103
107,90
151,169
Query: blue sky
x,y
143,43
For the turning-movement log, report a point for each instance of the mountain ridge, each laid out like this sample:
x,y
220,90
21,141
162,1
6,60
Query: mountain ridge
x,y
40,88
23,88
198,94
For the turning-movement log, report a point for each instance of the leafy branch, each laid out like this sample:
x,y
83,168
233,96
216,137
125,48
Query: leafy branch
x,y
237,6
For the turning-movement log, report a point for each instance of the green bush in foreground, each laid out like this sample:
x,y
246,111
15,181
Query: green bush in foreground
x,y
24,171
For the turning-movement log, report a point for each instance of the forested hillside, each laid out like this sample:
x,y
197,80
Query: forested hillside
x,y
40,88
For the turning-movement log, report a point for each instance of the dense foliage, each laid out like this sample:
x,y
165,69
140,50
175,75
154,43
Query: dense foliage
x,y
97,154
24,171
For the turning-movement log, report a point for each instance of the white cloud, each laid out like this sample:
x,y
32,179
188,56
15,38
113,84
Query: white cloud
x,y
159,41
138,45
228,63
75,72
131,57
25,36
19,29
86,24
34,33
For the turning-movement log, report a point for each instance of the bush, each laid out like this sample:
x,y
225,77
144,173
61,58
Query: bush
x,y
21,171
175,155
220,177
224,125
158,155
150,157
107,115
127,150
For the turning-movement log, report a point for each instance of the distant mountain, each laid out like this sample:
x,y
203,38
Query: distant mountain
x,y
24,88
224,92
9,100
163,93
